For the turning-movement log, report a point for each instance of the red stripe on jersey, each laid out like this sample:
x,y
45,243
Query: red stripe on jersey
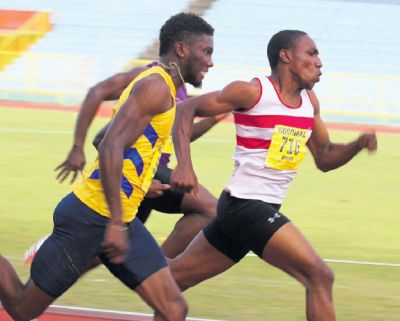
x,y
252,143
270,121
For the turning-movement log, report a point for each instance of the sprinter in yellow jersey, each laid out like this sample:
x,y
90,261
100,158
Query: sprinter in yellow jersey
x,y
98,218
197,210
140,160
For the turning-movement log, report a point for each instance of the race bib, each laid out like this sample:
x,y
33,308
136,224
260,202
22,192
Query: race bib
x,y
287,148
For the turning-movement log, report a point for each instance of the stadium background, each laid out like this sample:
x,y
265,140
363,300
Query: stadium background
x,y
53,51
91,40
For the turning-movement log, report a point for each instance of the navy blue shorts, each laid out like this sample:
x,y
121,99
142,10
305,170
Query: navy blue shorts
x,y
76,239
242,225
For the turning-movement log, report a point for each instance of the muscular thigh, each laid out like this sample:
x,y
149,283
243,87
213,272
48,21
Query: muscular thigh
x,y
66,254
143,260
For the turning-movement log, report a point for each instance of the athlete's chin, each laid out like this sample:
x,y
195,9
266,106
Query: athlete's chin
x,y
196,83
311,85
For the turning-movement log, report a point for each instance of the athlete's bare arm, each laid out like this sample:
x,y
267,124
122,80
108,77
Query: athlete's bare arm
x,y
204,125
149,96
328,155
109,89
238,95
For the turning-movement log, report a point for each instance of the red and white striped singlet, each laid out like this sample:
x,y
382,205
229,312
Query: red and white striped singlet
x,y
270,145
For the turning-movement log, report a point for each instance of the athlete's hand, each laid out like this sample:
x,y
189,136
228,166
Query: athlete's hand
x,y
157,189
115,242
184,180
73,164
368,141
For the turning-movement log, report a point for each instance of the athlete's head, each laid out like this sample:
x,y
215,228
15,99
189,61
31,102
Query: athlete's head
x,y
295,51
188,40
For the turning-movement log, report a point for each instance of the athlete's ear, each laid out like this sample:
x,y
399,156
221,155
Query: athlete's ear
x,y
180,49
284,55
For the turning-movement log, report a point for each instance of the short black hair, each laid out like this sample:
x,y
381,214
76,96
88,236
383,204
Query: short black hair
x,y
285,39
181,27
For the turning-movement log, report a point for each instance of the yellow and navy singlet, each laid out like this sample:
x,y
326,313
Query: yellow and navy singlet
x,y
140,160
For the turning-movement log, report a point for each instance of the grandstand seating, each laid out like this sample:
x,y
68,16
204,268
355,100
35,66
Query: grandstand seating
x,y
357,40
94,38
353,36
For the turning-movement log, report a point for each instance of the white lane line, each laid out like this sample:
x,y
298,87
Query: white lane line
x,y
34,131
362,262
70,310
350,262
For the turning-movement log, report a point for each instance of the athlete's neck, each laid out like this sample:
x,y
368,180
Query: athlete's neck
x,y
172,68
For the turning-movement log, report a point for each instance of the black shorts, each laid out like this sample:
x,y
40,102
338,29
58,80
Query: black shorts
x,y
169,202
242,225
76,239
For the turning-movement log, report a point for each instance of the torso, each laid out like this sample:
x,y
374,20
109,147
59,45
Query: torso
x,y
140,160
270,144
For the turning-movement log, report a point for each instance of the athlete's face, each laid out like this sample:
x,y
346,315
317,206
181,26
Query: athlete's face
x,y
199,59
305,64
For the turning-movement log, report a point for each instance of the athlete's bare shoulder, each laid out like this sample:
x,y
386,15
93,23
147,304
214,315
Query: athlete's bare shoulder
x,y
243,94
134,72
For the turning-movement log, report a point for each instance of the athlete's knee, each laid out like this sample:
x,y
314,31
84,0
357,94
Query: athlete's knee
x,y
320,275
204,204
176,310
208,209
211,212
211,206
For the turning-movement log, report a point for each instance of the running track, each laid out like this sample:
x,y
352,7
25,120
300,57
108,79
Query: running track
x,y
105,111
56,313
59,313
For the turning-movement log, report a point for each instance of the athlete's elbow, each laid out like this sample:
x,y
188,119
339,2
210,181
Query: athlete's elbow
x,y
107,147
96,141
324,169
323,166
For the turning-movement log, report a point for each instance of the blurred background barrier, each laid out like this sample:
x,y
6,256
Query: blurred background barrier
x,y
19,30
90,41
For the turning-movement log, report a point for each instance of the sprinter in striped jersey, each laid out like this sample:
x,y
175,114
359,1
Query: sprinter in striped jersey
x,y
276,118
